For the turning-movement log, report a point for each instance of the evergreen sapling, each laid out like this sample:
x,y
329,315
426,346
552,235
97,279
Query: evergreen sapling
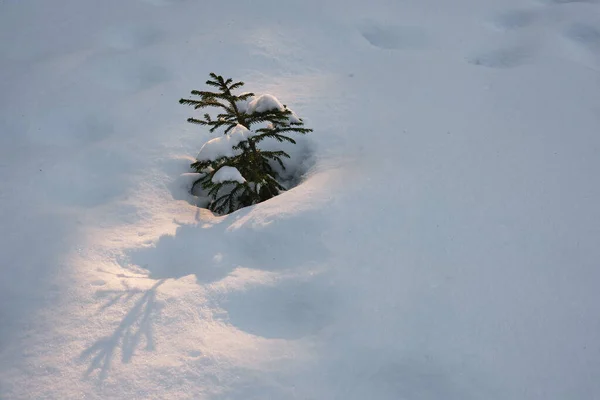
x,y
234,170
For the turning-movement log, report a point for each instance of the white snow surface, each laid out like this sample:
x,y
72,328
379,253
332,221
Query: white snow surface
x,y
469,270
227,173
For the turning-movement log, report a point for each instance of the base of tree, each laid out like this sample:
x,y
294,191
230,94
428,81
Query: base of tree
x,y
297,167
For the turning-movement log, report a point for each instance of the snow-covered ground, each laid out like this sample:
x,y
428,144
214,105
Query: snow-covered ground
x,y
444,244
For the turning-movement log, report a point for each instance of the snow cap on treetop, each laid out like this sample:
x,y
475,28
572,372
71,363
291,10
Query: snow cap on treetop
x,y
266,102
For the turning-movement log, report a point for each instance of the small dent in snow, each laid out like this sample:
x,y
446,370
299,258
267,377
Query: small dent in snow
x,y
585,35
395,37
514,19
506,57
195,353
130,38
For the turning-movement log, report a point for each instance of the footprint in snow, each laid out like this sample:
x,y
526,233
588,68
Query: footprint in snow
x,y
393,37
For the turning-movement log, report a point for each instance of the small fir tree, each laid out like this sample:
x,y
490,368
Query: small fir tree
x,y
234,170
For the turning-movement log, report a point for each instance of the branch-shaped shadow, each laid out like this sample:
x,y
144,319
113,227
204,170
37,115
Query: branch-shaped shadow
x,y
128,334
212,252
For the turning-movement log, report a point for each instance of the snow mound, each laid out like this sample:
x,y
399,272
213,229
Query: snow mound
x,y
267,102
223,146
242,105
226,173
264,102
293,118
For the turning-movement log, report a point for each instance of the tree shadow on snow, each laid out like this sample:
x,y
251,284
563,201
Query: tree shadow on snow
x,y
134,326
212,252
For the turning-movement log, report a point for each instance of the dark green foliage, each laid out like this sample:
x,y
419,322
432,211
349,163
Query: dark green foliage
x,y
254,164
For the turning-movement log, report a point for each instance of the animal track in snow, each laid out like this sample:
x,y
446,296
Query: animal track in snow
x,y
392,37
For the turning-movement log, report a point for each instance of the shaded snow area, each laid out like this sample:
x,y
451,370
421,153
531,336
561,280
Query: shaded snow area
x,y
443,244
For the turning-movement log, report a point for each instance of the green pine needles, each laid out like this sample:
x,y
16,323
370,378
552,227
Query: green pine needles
x,y
234,170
